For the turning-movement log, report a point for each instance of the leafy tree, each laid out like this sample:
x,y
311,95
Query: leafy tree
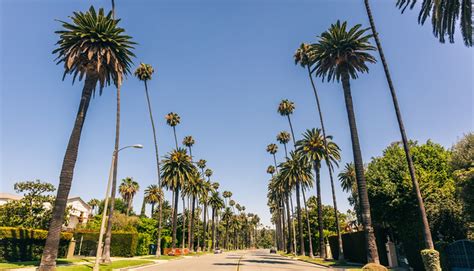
x,y
341,54
444,16
390,189
95,48
128,189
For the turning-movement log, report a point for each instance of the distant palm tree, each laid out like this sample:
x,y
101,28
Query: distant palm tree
x,y
216,203
93,203
204,198
284,137
201,164
226,195
271,170
153,195
77,49
128,189
316,149
193,189
348,180
340,55
188,141
444,15
144,73
273,149
173,119
208,174
177,169
441,14
226,218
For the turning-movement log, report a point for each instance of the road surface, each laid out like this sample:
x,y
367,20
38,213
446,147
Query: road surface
x,y
255,260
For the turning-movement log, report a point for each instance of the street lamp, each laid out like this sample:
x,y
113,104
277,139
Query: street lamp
x,y
106,203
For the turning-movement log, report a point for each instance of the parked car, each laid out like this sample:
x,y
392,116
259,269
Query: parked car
x,y
273,250
217,251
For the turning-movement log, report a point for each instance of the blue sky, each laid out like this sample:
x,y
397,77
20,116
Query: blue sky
x,y
223,66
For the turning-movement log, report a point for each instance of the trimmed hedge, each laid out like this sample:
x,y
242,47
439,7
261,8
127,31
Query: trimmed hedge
x,y
20,244
431,260
124,244
354,246
374,267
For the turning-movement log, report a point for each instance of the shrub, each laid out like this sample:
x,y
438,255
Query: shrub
x,y
431,260
374,267
20,244
124,244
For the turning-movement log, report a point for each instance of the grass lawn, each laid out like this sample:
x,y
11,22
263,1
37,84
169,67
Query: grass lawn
x,y
328,263
162,257
12,265
113,265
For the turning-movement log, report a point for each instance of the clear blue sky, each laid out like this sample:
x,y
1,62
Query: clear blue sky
x,y
223,66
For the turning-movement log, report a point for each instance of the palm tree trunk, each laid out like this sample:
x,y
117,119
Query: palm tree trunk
x,y
293,224
157,157
142,211
275,161
175,220
322,245
192,224
183,235
300,222
152,211
289,247
328,164
310,237
372,253
213,229
189,223
108,232
50,252
416,189
283,228
175,138
204,228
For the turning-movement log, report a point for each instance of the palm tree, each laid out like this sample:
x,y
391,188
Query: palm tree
x,y
216,203
188,141
144,73
204,198
226,195
315,149
341,55
273,149
153,195
201,164
348,180
296,171
442,15
226,218
305,57
127,189
208,174
173,119
271,170
77,49
93,203
286,108
193,189
177,169
284,137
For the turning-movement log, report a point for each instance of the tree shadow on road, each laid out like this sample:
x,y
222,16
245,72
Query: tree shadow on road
x,y
266,261
235,264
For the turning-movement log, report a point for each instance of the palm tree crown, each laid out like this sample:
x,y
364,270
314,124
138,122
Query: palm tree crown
x,y
286,107
176,169
208,173
283,137
153,194
271,169
295,170
144,72
304,55
93,42
340,51
347,177
188,141
272,148
201,163
312,146
172,119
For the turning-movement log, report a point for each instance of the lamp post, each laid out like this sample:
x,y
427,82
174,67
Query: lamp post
x,y
106,203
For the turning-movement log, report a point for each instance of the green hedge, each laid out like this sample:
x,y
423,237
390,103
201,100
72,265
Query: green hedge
x,y
20,244
354,246
124,244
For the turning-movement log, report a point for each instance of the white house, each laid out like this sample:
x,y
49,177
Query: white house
x,y
78,214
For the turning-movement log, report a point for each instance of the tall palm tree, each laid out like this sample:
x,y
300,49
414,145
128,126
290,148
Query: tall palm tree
x,y
340,55
128,189
153,195
348,180
204,198
94,203
208,174
444,15
226,195
201,164
77,49
315,148
273,149
216,203
439,28
286,108
193,189
305,57
294,172
226,218
144,73
176,170
271,170
188,141
173,119
284,137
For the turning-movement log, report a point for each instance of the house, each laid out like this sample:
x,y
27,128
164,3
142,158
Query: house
x,y
79,210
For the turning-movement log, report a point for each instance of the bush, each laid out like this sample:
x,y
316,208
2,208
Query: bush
x,y
431,260
124,244
20,244
374,267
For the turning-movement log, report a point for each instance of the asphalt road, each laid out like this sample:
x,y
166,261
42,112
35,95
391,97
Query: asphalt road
x,y
255,260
